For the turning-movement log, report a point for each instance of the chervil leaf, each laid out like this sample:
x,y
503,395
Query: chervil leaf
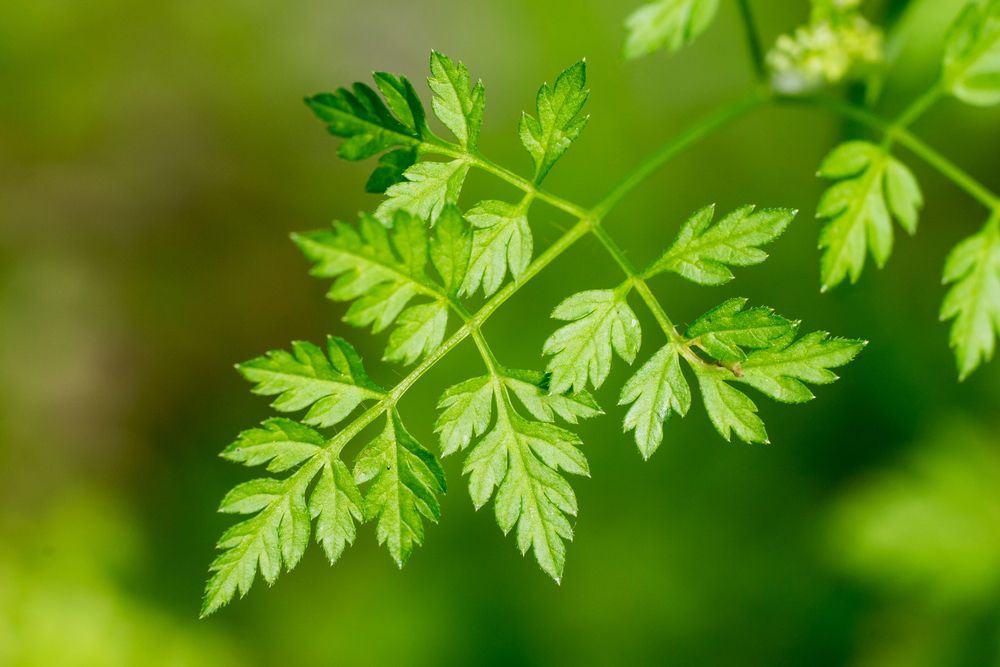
x,y
281,443
782,372
360,116
383,270
501,238
466,409
703,252
336,505
599,321
972,57
426,189
419,332
657,389
520,460
559,122
870,185
276,535
367,269
532,389
758,348
727,329
669,24
390,170
304,377
372,126
402,99
460,109
405,480
729,409
973,270
451,247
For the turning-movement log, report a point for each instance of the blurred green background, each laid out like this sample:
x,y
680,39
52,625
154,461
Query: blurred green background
x,y
154,157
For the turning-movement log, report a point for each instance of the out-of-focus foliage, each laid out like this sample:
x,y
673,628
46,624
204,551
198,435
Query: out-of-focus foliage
x,y
927,532
66,598
667,24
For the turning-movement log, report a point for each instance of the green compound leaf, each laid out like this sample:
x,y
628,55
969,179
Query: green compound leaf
x,y
725,330
360,116
390,170
333,384
460,109
766,356
426,189
420,331
451,249
973,270
518,464
278,533
501,238
558,121
703,252
782,372
405,481
281,443
729,409
532,389
972,56
372,126
870,185
599,321
336,505
667,24
657,389
466,409
382,270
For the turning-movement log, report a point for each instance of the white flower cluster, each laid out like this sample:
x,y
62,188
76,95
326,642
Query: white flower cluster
x,y
837,44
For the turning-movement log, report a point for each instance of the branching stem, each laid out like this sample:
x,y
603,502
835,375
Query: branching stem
x,y
589,221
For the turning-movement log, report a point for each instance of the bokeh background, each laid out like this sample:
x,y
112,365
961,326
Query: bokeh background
x,y
154,157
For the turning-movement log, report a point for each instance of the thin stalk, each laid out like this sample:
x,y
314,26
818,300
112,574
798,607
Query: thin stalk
x,y
753,40
706,126
635,280
936,160
919,106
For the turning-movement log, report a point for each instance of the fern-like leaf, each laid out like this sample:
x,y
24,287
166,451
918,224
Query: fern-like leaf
x,y
727,330
405,480
425,190
667,24
973,270
972,56
458,107
330,385
872,187
558,121
656,390
277,534
600,321
501,240
703,252
382,271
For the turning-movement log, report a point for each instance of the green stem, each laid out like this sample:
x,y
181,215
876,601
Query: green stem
x,y
902,136
706,126
504,174
588,222
919,106
635,280
753,40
